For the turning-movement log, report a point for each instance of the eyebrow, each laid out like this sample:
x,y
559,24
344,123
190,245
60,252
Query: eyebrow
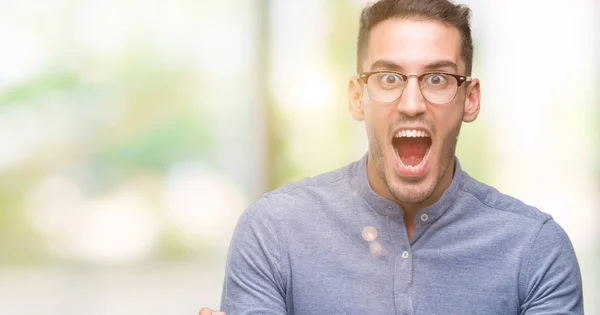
x,y
442,64
386,65
436,65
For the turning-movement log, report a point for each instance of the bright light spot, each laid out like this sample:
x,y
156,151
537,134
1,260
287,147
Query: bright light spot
x,y
52,204
375,249
369,233
117,228
304,90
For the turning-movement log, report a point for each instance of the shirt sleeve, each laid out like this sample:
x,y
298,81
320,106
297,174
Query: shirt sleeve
x,y
552,277
253,282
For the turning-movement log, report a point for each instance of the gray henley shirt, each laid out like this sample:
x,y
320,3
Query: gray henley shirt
x,y
331,245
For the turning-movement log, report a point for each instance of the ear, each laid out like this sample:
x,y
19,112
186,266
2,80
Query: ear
x,y
355,99
472,101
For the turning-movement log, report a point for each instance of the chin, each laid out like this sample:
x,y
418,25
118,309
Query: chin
x,y
416,185
411,190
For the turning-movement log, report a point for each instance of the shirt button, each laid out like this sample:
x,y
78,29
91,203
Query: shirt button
x,y
424,217
405,254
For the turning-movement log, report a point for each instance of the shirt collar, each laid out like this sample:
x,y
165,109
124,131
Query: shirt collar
x,y
392,209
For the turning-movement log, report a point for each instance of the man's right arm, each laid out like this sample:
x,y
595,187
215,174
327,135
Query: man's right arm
x,y
253,281
553,280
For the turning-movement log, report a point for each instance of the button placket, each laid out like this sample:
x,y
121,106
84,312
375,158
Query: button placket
x,y
403,267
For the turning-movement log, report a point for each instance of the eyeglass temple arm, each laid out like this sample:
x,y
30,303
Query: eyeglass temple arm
x,y
463,79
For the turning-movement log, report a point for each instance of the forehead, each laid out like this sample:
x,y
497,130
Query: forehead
x,y
413,44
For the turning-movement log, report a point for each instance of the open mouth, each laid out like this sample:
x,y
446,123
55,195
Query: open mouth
x,y
412,149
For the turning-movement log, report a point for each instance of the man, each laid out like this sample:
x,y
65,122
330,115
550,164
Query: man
x,y
404,230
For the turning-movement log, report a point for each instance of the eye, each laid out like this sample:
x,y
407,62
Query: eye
x,y
436,80
389,80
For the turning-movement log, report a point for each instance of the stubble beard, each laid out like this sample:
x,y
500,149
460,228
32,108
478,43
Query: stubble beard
x,y
418,191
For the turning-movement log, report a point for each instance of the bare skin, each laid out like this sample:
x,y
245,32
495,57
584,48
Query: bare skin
x,y
208,311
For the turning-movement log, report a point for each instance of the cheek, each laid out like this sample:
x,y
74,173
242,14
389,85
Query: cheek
x,y
379,113
378,122
446,120
372,113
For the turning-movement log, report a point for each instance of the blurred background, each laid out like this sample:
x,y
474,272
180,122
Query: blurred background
x,y
134,133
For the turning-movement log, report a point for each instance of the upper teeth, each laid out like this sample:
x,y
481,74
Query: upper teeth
x,y
411,133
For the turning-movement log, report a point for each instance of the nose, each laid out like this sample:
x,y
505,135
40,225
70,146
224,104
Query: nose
x,y
411,102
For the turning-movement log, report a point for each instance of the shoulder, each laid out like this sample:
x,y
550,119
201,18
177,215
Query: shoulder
x,y
313,191
549,277
316,183
302,197
489,198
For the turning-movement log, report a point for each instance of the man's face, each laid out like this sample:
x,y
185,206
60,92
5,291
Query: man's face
x,y
413,169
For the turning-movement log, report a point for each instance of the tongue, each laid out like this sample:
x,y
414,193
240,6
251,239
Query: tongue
x,y
412,150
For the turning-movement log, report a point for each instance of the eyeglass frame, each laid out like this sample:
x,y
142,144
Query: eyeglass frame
x,y
460,79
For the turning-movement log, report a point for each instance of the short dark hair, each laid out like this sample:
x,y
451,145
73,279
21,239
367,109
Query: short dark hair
x,y
456,15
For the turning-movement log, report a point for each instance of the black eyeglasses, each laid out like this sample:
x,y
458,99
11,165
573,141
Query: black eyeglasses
x,y
436,87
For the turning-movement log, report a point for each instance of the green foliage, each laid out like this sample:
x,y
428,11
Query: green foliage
x,y
157,148
38,87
